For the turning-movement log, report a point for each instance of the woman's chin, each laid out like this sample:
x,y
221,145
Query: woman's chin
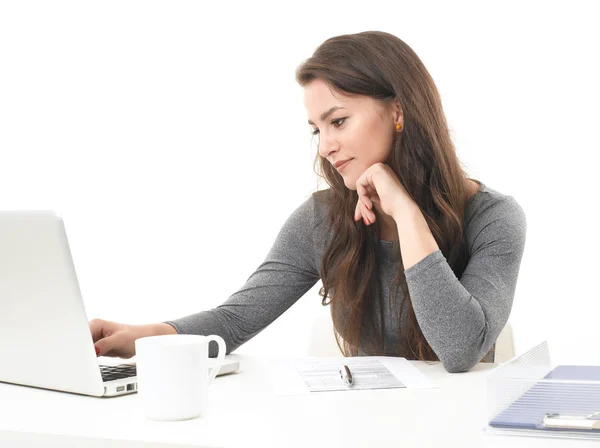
x,y
349,184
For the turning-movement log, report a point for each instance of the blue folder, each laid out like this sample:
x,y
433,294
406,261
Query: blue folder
x,y
528,411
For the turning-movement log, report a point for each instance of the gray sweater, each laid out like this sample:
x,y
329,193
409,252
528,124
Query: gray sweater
x,y
460,318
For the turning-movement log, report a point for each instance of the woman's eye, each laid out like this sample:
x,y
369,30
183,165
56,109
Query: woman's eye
x,y
337,123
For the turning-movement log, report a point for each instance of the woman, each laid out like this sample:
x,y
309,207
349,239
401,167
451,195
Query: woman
x,y
416,259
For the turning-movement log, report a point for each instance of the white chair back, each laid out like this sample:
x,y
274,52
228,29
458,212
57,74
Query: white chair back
x,y
322,341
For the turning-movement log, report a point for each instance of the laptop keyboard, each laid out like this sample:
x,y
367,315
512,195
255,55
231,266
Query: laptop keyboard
x,y
111,373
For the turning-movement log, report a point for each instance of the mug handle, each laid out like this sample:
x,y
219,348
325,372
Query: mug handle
x,y
220,355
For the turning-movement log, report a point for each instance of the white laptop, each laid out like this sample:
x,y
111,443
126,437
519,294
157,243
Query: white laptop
x,y
45,339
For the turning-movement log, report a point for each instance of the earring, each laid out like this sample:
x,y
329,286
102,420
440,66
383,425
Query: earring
x,y
398,127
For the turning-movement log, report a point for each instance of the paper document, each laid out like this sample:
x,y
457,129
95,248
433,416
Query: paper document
x,y
324,375
309,375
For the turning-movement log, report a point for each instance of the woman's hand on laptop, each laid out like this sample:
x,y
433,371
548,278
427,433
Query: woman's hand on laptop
x,y
118,340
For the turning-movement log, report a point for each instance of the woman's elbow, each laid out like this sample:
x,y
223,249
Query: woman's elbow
x,y
459,362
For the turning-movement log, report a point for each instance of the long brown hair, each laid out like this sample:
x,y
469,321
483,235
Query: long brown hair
x,y
383,67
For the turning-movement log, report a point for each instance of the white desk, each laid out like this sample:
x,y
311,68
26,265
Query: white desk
x,y
245,412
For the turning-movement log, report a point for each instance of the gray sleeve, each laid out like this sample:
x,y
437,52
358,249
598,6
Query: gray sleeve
x,y
286,274
461,320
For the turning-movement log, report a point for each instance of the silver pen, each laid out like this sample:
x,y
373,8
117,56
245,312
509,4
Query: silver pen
x,y
346,375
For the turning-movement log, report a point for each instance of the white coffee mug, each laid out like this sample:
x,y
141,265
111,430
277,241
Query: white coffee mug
x,y
172,374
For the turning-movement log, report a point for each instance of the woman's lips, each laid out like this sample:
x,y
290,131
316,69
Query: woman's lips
x,y
339,168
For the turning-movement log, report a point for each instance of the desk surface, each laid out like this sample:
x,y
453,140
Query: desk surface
x,y
243,411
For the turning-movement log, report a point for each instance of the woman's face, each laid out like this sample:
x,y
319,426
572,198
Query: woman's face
x,y
357,128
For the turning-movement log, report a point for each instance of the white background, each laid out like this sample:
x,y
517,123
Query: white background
x,y
173,138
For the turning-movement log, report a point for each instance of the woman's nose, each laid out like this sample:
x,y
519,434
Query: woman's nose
x,y
327,146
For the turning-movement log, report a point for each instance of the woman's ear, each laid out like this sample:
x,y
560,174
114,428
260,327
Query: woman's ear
x,y
398,112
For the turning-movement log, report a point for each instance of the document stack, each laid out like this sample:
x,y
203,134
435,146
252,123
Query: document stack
x,y
528,396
